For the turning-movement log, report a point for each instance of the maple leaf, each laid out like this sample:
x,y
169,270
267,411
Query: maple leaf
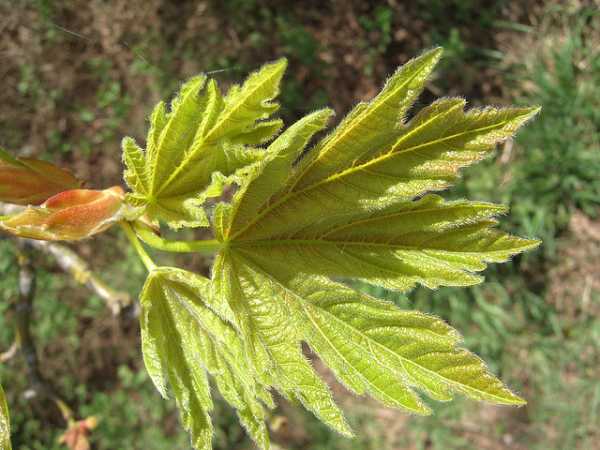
x,y
204,132
183,341
356,206
359,205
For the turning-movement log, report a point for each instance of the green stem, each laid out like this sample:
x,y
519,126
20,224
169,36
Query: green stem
x,y
207,247
139,248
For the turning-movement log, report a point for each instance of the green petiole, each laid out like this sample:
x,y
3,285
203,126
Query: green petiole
x,y
139,248
206,247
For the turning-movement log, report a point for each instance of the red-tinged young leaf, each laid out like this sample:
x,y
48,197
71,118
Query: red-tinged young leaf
x,y
27,181
70,215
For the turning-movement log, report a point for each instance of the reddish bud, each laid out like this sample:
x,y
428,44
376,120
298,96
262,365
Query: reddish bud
x,y
25,181
68,216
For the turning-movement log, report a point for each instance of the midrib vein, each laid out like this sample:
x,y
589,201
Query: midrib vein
x,y
354,169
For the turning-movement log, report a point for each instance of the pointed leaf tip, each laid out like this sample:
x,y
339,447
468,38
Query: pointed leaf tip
x,y
533,111
435,53
515,400
203,133
358,206
530,244
281,64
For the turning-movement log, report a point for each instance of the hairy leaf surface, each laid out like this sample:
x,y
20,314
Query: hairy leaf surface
x,y
375,347
184,340
202,133
273,335
359,204
356,216
372,346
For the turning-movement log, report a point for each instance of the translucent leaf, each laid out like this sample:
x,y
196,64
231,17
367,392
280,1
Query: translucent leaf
x,y
4,423
251,101
276,167
435,145
374,347
135,174
375,230
428,241
371,126
276,332
262,132
202,133
184,340
358,205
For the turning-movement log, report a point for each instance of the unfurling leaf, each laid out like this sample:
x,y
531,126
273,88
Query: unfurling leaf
x,y
68,216
359,205
184,340
4,423
27,181
202,133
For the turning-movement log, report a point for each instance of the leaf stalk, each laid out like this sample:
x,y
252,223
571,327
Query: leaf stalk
x,y
139,248
205,247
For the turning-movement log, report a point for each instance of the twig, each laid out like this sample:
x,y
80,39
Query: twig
x,y
12,351
73,264
39,387
23,309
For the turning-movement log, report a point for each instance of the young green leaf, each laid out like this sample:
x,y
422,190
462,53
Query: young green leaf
x,y
427,241
372,346
277,165
274,335
426,157
4,423
358,205
202,133
183,341
350,331
372,126
361,221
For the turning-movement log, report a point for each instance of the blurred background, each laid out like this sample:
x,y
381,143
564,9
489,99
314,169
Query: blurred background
x,y
77,76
